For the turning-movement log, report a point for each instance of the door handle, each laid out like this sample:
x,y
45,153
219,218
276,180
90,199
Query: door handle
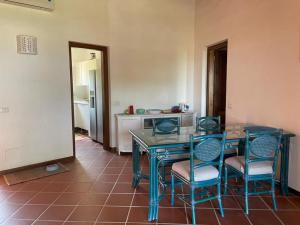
x,y
92,102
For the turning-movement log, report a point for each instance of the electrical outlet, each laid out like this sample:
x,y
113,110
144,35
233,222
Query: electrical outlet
x,y
4,109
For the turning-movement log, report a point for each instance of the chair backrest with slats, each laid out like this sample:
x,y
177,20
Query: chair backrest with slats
x,y
208,123
262,146
169,125
207,150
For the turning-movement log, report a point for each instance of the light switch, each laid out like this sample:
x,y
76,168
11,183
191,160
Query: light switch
x,y
4,109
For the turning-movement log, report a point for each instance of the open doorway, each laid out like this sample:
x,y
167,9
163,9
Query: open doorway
x,y
89,93
216,80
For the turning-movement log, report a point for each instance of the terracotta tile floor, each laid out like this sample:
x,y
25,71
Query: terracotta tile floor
x,y
97,190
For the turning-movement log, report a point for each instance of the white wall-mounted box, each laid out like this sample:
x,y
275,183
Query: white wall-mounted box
x,y
26,44
36,4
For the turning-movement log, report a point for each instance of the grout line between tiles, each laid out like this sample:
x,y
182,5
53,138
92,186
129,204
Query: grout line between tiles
x,y
53,203
216,212
272,211
98,216
130,206
240,204
23,204
66,219
296,207
50,204
96,177
185,207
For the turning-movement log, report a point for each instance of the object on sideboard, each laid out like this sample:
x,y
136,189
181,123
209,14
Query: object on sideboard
x,y
184,107
130,110
166,111
140,111
175,109
154,111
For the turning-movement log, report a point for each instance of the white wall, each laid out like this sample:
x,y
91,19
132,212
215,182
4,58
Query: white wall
x,y
152,53
263,63
151,65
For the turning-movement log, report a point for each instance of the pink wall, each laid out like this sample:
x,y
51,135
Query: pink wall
x,y
263,63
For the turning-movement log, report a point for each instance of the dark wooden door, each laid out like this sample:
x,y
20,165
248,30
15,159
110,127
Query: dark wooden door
x,y
216,82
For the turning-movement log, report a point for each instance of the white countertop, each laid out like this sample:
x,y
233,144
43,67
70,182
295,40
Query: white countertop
x,y
153,115
81,101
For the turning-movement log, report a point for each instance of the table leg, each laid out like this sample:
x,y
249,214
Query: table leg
x,y
153,187
284,167
136,163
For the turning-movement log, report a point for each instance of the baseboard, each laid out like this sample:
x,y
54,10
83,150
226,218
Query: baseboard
x,y
113,149
295,192
62,160
81,131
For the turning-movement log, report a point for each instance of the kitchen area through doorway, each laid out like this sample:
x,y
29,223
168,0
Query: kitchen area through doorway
x,y
87,86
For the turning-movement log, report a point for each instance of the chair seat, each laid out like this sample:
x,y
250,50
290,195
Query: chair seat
x,y
200,174
255,168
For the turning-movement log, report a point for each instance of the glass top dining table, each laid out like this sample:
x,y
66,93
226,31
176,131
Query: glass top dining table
x,y
144,140
234,131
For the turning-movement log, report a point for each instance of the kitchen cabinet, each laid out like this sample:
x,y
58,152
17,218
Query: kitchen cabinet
x,y
135,122
124,124
81,71
188,119
82,115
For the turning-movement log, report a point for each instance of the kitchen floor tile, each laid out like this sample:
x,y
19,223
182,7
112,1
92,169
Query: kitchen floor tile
x,y
289,217
69,199
93,199
172,215
18,222
203,216
79,187
20,197
282,203
57,213
97,190
102,187
44,198
123,188
56,187
30,212
119,199
261,217
85,213
233,217
113,214
39,222
138,215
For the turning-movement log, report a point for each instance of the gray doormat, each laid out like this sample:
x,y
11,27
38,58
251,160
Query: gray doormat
x,y
32,174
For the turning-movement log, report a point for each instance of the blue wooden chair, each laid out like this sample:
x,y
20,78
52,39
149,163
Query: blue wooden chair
x,y
204,169
212,124
258,164
208,123
166,157
168,125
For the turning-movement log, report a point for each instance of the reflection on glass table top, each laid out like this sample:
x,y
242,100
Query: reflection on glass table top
x,y
234,131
